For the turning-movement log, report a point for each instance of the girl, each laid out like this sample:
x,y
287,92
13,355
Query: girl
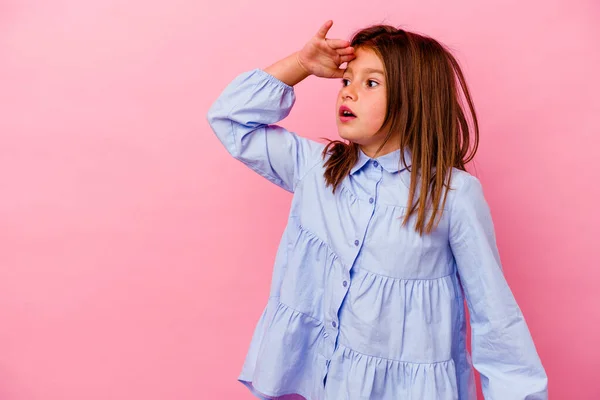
x,y
387,234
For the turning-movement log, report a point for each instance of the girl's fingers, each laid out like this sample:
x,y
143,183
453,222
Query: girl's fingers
x,y
337,73
324,29
337,43
347,58
345,51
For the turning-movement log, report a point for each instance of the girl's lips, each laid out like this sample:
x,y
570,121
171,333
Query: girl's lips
x,y
345,109
346,119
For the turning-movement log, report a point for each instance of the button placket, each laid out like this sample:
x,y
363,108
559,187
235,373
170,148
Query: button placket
x,y
335,301
342,275
340,294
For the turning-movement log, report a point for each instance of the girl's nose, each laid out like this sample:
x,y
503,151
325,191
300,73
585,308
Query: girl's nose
x,y
347,93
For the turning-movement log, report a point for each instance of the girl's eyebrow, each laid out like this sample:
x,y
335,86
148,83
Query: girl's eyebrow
x,y
368,71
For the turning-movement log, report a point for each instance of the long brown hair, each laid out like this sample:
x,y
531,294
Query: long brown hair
x,y
424,113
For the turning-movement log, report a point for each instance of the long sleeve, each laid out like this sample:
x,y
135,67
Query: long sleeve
x,y
502,347
242,117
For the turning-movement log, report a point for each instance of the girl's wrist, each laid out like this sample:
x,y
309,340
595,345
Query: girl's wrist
x,y
288,70
297,54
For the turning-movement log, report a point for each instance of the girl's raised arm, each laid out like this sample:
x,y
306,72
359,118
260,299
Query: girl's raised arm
x,y
243,115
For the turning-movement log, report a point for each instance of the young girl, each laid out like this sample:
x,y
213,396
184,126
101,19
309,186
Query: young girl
x,y
387,234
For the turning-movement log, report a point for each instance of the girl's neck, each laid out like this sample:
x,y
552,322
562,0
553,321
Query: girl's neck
x,y
370,150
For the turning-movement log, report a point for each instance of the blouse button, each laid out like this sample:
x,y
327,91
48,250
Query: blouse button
x,y
371,200
345,283
333,324
356,242
375,164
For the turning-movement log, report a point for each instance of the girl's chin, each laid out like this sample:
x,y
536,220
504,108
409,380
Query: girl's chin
x,y
348,136
345,133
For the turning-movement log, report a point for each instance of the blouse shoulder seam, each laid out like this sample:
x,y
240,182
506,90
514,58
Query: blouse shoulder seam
x,y
460,189
300,179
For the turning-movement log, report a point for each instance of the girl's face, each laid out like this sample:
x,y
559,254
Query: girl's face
x,y
363,92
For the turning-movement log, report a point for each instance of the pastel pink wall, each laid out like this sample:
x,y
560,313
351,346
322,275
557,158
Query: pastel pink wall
x,y
135,254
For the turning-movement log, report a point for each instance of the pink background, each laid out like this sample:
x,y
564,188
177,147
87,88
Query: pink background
x,y
135,254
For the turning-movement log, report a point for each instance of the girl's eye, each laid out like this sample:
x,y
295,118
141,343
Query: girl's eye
x,y
345,82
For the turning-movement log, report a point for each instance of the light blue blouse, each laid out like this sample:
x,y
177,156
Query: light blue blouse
x,y
360,306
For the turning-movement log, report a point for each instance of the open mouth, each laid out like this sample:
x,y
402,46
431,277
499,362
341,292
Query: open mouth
x,y
346,114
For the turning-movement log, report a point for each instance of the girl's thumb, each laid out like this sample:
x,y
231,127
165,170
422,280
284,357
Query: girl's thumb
x,y
337,73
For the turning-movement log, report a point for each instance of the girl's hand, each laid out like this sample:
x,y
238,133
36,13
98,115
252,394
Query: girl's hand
x,y
322,57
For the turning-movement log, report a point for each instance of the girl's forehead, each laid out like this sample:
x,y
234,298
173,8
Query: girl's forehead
x,y
366,59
